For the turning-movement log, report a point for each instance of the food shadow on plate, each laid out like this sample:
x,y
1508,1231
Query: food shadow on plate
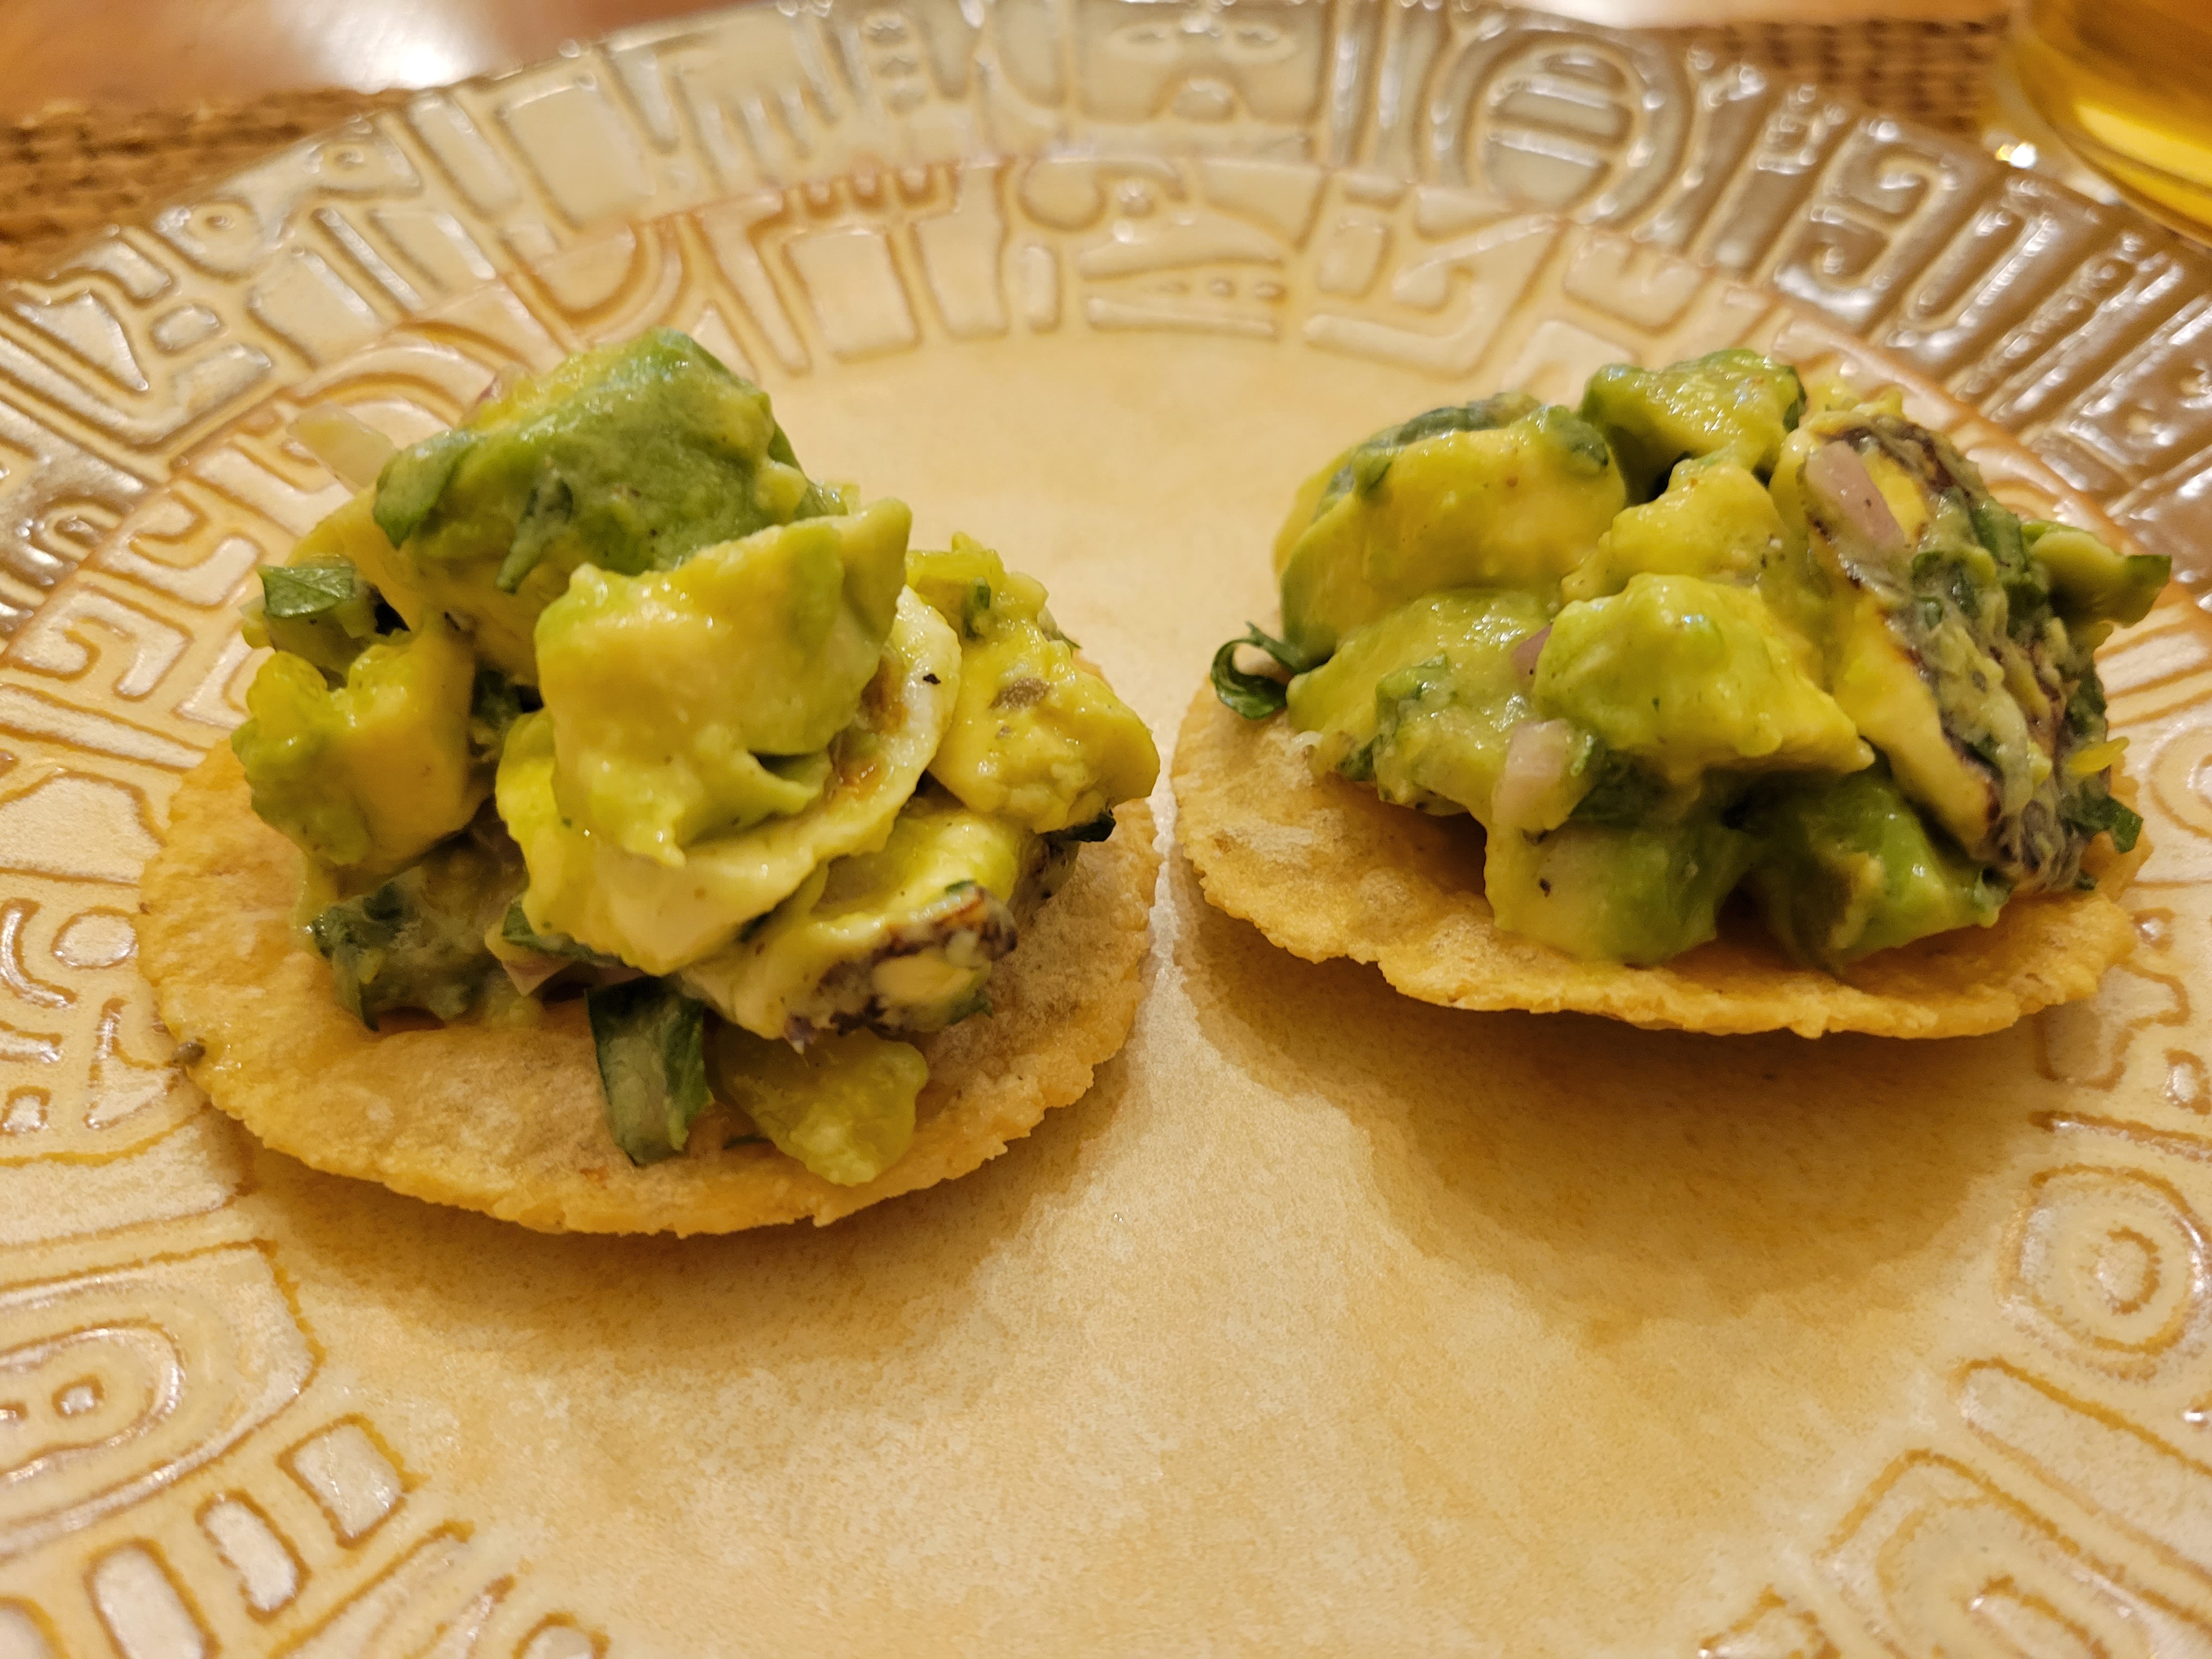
x,y
1618,1175
793,1293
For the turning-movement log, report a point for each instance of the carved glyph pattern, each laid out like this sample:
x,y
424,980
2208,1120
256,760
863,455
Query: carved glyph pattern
x,y
1478,196
1358,175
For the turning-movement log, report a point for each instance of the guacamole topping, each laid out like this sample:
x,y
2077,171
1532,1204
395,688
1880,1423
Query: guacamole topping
x,y
1712,632
599,694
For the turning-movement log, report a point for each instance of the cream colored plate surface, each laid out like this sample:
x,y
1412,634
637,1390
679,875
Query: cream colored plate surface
x,y
1329,1322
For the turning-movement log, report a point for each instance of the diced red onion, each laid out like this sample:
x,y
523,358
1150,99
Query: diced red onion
x,y
1525,654
1537,756
344,442
1836,475
499,385
528,972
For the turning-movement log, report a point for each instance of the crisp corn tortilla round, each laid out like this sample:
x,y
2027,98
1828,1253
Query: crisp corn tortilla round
x,y
1325,868
508,1120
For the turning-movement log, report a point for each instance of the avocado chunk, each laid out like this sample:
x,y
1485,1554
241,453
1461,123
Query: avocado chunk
x,y
367,775
1516,505
2089,582
700,700
1733,405
844,1108
1036,736
1421,701
1367,460
630,457
1686,675
324,612
1637,894
658,916
899,939
418,940
1714,520
1846,866
651,1044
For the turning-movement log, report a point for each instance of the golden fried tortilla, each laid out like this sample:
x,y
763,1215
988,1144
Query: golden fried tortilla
x,y
1325,868
507,1119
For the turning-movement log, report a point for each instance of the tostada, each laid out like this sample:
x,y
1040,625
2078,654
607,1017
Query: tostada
x,y
1720,701
630,832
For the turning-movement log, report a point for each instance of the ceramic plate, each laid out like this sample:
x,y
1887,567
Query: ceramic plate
x,y
1327,1322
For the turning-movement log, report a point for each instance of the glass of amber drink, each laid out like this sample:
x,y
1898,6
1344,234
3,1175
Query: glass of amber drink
x,y
2128,85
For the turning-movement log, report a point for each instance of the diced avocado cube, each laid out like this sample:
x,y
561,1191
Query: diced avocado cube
x,y
1517,506
697,701
2091,583
1037,736
1637,895
366,775
1686,675
844,1108
1735,404
1422,702
1846,866
1714,520
630,457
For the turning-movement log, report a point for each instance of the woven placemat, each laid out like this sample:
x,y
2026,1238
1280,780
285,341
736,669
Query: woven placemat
x,y
1932,73
70,170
